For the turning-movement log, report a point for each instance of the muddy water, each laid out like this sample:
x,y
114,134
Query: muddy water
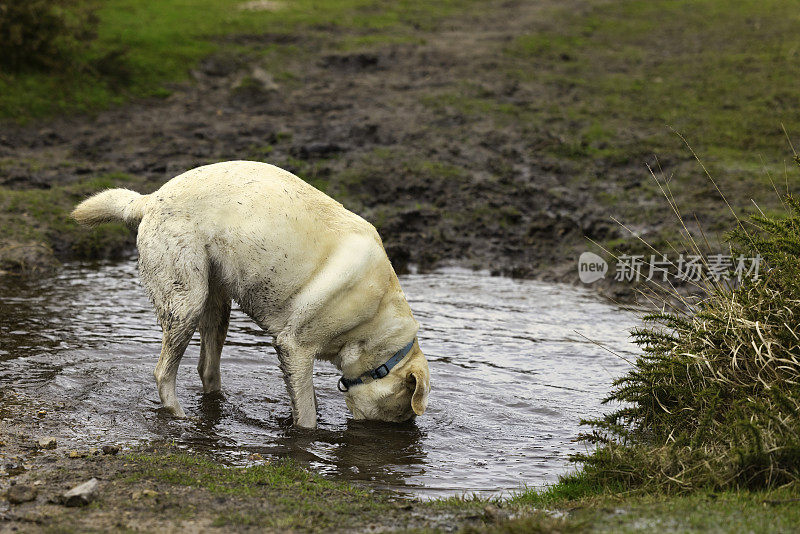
x,y
511,371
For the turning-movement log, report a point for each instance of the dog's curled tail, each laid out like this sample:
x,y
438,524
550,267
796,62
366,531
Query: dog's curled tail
x,y
111,205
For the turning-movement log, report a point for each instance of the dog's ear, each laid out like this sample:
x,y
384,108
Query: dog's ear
x,y
419,381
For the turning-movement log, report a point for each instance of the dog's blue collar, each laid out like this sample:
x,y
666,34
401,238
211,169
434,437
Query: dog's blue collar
x,y
379,372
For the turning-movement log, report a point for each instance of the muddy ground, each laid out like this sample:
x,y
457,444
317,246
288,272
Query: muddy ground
x,y
160,488
442,183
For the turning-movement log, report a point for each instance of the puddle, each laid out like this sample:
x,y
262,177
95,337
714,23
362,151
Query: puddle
x,y
511,374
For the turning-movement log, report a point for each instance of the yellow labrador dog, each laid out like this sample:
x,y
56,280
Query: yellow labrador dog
x,y
312,274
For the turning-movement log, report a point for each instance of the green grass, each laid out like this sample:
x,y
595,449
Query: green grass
x,y
600,85
142,45
296,498
606,86
42,216
721,73
283,495
588,508
573,505
572,487
199,471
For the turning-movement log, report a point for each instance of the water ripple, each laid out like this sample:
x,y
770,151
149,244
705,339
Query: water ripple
x,y
511,371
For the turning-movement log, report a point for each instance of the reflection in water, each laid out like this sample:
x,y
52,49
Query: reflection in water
x,y
511,376
401,452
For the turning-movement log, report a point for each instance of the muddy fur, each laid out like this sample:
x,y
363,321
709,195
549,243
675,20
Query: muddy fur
x,y
312,274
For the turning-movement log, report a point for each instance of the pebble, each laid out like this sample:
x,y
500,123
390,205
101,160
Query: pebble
x,y
14,468
110,449
136,495
493,513
48,443
21,493
82,494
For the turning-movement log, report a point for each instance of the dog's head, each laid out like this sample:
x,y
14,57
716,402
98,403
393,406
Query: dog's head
x,y
397,396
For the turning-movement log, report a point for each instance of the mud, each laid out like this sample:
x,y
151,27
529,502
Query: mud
x,y
160,488
442,184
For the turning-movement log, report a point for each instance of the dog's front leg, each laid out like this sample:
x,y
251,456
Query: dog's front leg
x,y
297,365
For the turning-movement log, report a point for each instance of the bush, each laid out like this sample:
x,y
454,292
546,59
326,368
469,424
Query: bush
x,y
714,401
43,34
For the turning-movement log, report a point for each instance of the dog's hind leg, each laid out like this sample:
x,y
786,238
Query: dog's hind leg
x,y
213,329
173,267
173,345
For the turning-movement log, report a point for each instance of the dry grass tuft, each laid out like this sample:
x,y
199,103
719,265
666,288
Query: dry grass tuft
x,y
714,400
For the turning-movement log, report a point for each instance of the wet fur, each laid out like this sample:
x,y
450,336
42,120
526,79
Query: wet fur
x,y
312,274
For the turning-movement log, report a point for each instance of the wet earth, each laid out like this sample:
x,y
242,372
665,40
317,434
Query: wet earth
x,y
372,128
515,365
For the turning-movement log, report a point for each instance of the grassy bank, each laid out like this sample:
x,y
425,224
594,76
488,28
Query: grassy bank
x,y
35,227
299,500
713,401
718,72
588,509
607,85
162,488
621,77
271,495
143,46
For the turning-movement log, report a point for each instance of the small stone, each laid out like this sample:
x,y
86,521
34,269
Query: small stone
x,y
261,5
41,413
136,495
265,78
14,468
48,443
94,451
74,454
255,457
110,449
493,513
82,494
21,493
